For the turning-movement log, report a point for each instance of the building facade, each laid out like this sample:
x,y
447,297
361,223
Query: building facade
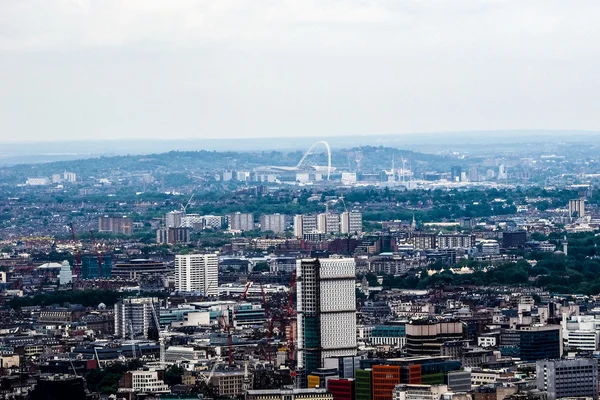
x,y
351,222
241,222
326,310
568,378
134,316
197,273
272,222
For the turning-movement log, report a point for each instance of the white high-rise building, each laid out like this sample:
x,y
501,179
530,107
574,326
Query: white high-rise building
x,y
351,222
304,224
133,316
272,222
326,310
70,176
65,276
197,273
328,223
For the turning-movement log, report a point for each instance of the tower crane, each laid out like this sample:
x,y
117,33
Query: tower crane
x,y
184,207
269,320
161,336
227,329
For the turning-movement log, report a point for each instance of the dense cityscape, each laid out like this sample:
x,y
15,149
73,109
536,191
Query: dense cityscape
x,y
364,273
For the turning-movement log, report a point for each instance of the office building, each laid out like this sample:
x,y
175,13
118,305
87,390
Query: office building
x,y
514,240
341,389
351,222
363,384
326,310
173,219
580,332
426,337
140,268
385,378
197,273
90,268
272,222
577,208
328,223
241,222
134,317
117,225
531,343
304,224
144,381
576,378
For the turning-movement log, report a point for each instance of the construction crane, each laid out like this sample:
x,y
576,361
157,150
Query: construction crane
x,y
184,207
130,325
269,320
227,329
206,378
161,337
77,253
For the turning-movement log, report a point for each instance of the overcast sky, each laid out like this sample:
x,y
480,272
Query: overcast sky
x,y
88,69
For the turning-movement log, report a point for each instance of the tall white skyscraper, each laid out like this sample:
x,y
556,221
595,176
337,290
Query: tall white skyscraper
x,y
197,273
326,310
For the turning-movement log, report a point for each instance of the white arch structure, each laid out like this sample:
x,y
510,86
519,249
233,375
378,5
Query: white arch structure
x,y
311,151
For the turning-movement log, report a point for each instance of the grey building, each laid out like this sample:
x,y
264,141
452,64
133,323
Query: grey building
x,y
568,378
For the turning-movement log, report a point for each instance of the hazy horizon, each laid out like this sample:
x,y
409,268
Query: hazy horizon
x,y
146,70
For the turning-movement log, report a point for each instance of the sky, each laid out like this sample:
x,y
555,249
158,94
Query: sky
x,y
196,69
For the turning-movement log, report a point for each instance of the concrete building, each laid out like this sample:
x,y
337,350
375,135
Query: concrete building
x,y
577,208
70,177
328,223
351,222
426,337
568,378
241,222
326,310
65,276
133,316
580,332
179,235
272,222
304,224
144,381
173,219
197,273
117,225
